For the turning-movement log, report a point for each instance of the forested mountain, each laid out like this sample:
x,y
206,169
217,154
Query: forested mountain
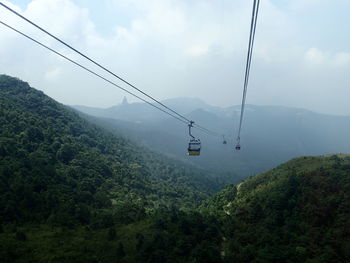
x,y
297,212
271,134
73,192
39,134
58,170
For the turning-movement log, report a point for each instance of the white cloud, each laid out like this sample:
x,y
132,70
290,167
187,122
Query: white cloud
x,y
316,57
341,59
303,4
53,74
62,17
197,51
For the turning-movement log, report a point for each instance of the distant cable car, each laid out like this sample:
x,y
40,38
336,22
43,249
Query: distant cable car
x,y
223,140
194,146
238,146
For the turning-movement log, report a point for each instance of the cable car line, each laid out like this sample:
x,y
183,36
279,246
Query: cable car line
x,y
206,130
248,63
91,71
94,62
186,120
107,80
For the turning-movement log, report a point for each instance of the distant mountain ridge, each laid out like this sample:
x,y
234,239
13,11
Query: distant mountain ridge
x,y
142,112
183,105
270,134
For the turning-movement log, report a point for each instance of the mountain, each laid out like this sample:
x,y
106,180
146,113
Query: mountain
x,y
71,191
41,136
271,134
141,112
296,212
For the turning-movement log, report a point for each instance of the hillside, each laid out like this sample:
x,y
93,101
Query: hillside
x,y
44,144
297,212
62,177
63,148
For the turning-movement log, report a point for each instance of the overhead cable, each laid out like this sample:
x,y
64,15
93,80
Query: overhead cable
x,y
248,63
94,62
92,72
107,80
207,130
179,116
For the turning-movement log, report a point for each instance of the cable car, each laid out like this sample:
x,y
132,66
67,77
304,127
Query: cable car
x,y
238,146
194,146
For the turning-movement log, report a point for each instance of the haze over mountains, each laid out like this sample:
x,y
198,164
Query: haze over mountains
x,y
270,134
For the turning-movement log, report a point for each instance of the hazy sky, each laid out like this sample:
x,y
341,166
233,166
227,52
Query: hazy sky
x,y
187,48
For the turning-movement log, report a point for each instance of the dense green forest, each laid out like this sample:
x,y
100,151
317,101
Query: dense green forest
x,y
58,171
297,212
73,192
43,143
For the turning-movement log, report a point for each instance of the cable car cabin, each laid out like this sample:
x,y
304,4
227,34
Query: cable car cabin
x,y
194,147
238,147
224,142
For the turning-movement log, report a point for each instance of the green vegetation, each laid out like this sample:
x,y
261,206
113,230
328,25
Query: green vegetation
x,y
72,192
167,236
52,162
297,212
64,181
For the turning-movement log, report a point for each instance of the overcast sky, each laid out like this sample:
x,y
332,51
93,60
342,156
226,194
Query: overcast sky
x,y
187,48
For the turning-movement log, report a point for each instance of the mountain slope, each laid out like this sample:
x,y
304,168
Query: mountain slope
x,y
47,150
72,192
297,212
